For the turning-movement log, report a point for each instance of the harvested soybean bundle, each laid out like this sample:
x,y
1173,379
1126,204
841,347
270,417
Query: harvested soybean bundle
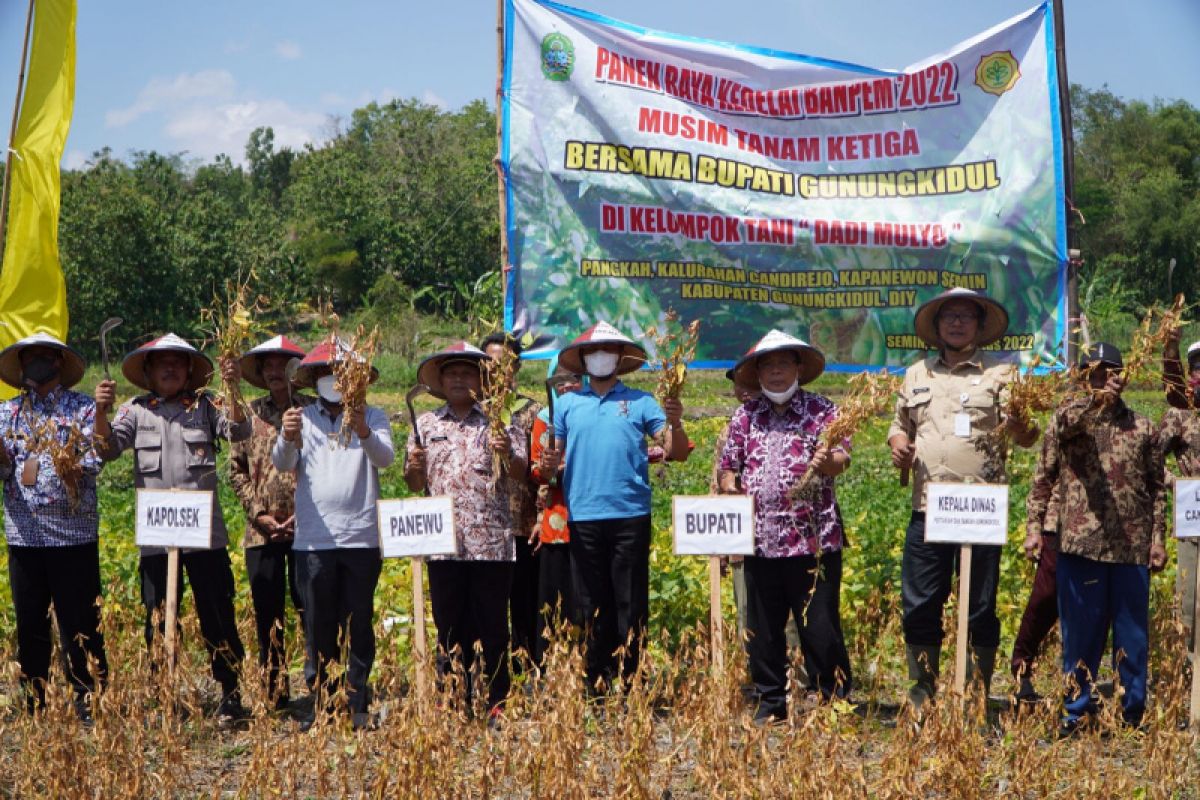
x,y
233,327
868,395
675,350
352,374
1030,393
499,401
66,455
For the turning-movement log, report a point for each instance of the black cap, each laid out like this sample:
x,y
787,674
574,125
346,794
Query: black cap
x,y
1102,353
729,374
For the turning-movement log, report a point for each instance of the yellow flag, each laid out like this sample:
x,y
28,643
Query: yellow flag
x,y
33,295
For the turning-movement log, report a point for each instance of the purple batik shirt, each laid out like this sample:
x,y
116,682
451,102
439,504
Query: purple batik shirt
x,y
770,452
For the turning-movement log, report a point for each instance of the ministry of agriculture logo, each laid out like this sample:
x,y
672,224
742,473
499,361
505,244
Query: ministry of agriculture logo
x,y
997,72
558,57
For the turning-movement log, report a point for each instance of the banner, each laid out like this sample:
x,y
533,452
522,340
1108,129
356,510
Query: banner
x,y
33,295
757,189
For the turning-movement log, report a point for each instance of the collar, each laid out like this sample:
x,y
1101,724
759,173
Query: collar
x,y
976,361
795,405
617,387
51,398
443,411
187,399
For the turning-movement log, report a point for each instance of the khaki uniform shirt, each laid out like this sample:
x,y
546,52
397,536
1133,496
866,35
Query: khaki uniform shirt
x,y
928,411
175,447
262,488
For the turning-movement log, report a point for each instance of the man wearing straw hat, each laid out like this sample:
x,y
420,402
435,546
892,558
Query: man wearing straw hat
x,y
603,429
337,528
268,496
1106,462
174,430
796,568
469,591
950,403
51,527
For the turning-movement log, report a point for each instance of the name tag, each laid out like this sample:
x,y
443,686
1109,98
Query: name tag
x,y
29,471
962,425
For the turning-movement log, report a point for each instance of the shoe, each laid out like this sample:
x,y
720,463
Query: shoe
x,y
495,721
305,724
231,711
923,672
767,718
83,710
282,703
361,721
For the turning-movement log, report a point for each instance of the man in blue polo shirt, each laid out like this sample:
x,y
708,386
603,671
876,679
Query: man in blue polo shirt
x,y
606,480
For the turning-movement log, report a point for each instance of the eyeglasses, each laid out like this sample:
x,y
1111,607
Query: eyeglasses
x,y
958,317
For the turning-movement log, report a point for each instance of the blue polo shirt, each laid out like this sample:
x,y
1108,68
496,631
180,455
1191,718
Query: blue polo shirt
x,y
607,474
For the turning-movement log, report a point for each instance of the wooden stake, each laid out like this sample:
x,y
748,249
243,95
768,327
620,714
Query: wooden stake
x,y
964,613
1194,712
502,183
420,651
715,619
8,152
172,611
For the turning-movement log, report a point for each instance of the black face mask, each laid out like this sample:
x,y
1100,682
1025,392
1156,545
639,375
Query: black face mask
x,y
40,370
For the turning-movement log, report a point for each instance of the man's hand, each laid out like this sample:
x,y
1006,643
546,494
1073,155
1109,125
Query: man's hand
x,y
903,452
501,444
1114,385
231,370
674,411
727,482
416,460
106,396
292,423
267,525
358,422
550,461
1033,545
1158,557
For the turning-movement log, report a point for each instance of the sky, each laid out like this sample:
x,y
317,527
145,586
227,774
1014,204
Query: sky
x,y
196,78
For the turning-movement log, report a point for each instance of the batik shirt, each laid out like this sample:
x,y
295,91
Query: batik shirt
x,y
262,488
43,515
1179,436
770,452
458,463
1108,468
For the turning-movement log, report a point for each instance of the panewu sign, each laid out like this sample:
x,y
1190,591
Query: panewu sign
x,y
174,518
417,527
1187,509
966,513
758,189
714,525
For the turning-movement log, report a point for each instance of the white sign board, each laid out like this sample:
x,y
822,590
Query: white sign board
x,y
174,518
417,526
966,513
1187,509
714,525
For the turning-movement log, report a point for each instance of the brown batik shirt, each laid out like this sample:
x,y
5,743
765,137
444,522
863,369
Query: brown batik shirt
x,y
260,487
1108,468
1179,436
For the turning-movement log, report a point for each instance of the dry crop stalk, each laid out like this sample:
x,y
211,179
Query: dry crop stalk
x,y
233,327
1030,394
499,401
352,373
868,395
66,456
675,350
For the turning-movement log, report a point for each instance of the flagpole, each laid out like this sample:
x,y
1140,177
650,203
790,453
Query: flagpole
x,y
1064,106
12,132
502,184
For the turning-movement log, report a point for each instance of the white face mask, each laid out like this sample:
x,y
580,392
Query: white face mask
x,y
325,389
782,397
601,364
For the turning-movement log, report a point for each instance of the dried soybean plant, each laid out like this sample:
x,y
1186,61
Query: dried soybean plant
x,y
232,326
868,395
352,374
675,349
1030,393
66,453
499,401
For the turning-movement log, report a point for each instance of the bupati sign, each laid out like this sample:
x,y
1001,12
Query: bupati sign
x,y
758,189
713,525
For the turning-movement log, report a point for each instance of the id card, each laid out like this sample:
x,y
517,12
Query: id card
x,y
29,471
962,425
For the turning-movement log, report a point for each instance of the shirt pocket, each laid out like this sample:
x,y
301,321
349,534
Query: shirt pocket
x,y
982,404
147,447
200,450
917,406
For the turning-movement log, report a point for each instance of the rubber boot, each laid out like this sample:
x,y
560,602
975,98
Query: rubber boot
x,y
923,672
981,663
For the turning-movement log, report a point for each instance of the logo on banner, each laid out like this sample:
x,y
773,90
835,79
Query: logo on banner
x,y
558,57
997,72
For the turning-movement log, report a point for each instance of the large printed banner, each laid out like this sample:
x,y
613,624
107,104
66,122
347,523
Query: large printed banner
x,y
758,189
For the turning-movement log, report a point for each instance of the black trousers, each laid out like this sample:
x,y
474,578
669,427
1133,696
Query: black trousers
x,y
468,600
211,578
811,589
611,562
271,571
523,599
337,593
68,577
556,602
926,576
